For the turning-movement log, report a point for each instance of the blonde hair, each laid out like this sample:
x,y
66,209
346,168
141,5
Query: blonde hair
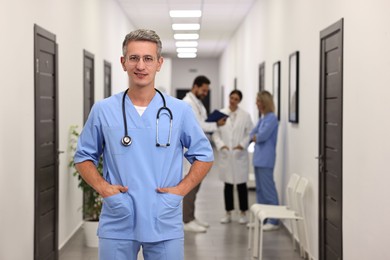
x,y
267,101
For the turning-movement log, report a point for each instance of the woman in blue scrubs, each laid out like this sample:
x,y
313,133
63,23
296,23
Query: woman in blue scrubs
x,y
265,135
141,134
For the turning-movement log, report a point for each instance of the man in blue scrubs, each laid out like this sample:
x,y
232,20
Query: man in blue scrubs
x,y
142,184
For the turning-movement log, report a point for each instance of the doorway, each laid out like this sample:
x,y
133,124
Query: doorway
x,y
46,145
107,79
89,83
330,143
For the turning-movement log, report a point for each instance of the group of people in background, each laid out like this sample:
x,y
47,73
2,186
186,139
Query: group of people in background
x,y
231,136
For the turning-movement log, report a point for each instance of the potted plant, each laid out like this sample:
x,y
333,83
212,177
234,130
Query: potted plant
x,y
92,201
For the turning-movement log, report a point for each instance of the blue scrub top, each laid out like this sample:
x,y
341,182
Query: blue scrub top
x,y
141,213
266,131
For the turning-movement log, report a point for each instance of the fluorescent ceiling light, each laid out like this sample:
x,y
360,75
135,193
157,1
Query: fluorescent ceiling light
x,y
186,55
185,26
186,44
185,13
186,36
186,50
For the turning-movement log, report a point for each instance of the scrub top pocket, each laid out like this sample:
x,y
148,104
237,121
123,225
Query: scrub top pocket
x,y
169,211
117,214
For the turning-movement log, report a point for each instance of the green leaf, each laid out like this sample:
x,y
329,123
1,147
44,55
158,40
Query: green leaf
x,y
92,201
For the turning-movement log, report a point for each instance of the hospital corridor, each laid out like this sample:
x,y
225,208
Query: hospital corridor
x,y
220,242
322,66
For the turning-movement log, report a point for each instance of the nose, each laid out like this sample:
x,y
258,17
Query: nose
x,y
140,64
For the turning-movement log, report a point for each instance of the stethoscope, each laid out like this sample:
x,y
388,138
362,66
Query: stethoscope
x,y
126,140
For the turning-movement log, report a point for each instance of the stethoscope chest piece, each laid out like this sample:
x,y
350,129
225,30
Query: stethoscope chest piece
x,y
126,140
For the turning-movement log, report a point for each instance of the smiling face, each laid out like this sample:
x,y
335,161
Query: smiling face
x,y
141,73
234,100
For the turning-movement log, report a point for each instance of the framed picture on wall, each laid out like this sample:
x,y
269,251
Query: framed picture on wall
x,y
262,76
276,87
293,88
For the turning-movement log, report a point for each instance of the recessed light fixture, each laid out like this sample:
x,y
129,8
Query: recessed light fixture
x,y
185,13
186,50
181,44
186,55
186,36
185,26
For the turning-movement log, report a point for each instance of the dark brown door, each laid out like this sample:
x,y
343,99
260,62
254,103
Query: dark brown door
x,y
46,146
330,143
89,82
107,79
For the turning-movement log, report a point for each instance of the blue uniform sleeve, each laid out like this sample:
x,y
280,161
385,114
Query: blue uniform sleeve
x,y
254,130
266,128
193,138
90,142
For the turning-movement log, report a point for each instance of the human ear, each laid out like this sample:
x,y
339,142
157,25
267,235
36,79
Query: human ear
x,y
123,63
160,62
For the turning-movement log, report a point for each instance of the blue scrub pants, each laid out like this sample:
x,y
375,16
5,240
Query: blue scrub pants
x,y
265,189
118,249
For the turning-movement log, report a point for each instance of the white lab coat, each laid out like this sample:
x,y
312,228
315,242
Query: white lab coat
x,y
201,116
233,165
200,113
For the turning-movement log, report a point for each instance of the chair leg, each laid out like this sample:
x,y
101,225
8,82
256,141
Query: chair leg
x,y
302,239
305,241
293,232
260,254
255,251
250,230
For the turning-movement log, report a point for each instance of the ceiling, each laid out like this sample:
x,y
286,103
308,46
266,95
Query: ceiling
x,y
220,19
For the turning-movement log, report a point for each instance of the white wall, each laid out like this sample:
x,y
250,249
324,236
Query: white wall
x,y
163,77
97,26
271,32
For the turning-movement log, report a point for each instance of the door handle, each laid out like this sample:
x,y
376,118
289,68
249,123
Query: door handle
x,y
320,162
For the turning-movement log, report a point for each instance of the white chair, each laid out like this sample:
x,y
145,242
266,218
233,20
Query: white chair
x,y
281,214
255,208
302,227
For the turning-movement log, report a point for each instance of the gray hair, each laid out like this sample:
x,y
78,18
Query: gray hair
x,y
142,35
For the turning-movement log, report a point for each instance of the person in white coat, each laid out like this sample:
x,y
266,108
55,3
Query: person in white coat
x,y
200,89
231,141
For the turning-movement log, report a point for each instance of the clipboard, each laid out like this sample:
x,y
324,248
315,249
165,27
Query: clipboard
x,y
215,116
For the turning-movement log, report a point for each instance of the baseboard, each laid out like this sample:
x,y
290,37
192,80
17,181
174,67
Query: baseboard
x,y
308,254
70,236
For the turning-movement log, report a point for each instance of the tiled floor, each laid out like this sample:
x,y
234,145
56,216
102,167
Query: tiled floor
x,y
221,242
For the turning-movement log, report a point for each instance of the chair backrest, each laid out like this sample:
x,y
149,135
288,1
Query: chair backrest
x,y
291,187
300,193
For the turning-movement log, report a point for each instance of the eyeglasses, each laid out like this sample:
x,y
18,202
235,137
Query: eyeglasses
x,y
147,59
